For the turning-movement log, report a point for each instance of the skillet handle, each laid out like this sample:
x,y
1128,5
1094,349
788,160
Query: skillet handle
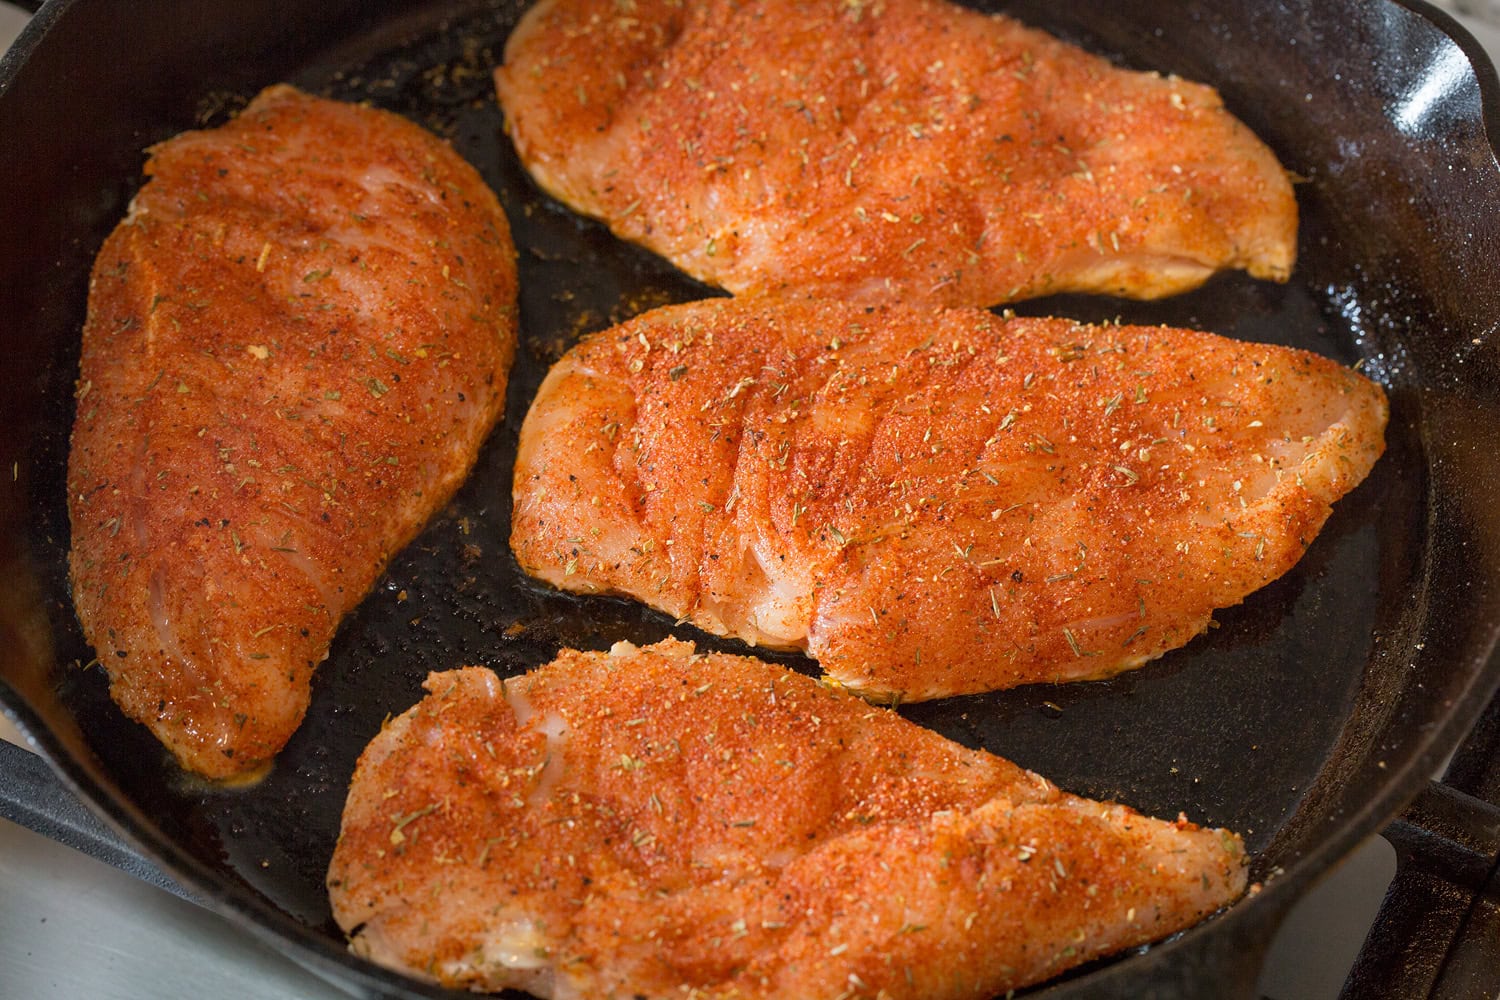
x,y
32,796
1438,932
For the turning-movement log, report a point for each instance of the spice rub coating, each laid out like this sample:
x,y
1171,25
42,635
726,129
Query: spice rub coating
x,y
933,502
652,822
905,150
296,342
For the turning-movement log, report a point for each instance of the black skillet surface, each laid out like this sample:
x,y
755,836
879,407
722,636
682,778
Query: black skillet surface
x,y
1303,721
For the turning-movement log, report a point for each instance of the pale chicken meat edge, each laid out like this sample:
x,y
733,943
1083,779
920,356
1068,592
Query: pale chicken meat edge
x,y
891,150
933,502
654,822
296,341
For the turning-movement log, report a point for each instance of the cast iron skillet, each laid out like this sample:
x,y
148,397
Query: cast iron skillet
x,y
1305,721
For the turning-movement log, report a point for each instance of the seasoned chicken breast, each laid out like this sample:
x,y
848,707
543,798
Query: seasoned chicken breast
x,y
296,341
933,502
902,150
659,823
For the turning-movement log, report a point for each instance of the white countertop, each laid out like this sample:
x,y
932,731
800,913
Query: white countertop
x,y
72,927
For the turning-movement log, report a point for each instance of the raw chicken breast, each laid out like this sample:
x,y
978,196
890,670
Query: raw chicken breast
x,y
296,341
933,502
658,823
904,150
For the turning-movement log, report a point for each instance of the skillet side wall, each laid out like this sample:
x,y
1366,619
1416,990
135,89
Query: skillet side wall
x,y
1361,717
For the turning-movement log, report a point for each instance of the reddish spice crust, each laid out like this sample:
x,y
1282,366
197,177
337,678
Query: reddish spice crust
x,y
934,502
898,150
295,344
